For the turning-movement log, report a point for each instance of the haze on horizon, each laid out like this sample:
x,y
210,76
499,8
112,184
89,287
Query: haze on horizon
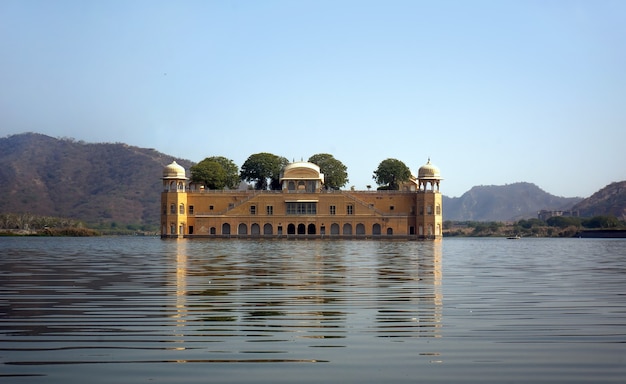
x,y
493,92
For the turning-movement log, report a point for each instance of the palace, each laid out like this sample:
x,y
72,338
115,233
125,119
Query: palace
x,y
302,209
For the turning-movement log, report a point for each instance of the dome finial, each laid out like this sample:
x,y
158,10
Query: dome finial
x,y
428,171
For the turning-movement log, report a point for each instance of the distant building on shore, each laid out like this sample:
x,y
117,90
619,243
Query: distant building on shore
x,y
544,214
302,209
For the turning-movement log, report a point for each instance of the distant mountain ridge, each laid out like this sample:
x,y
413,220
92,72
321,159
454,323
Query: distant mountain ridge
x,y
115,182
509,202
105,182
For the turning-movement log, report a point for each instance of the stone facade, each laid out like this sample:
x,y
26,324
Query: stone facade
x,y
302,209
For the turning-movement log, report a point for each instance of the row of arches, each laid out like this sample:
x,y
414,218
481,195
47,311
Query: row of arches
x,y
299,229
304,229
173,186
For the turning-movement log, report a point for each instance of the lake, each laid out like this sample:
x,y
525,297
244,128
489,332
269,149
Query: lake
x,y
463,310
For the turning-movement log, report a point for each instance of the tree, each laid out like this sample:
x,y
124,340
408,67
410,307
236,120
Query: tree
x,y
563,221
602,222
335,173
390,173
528,224
216,172
261,167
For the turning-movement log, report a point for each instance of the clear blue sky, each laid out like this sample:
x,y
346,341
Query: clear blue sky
x,y
494,92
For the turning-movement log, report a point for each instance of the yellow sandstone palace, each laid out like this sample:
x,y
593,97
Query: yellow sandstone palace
x,y
302,209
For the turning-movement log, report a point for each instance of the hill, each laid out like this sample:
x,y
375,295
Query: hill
x,y
609,201
509,202
95,183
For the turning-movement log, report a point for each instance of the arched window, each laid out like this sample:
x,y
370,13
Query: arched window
x,y
255,229
429,210
173,209
242,229
334,229
301,229
212,231
291,229
311,229
376,229
438,209
267,229
389,231
181,209
360,229
347,229
225,229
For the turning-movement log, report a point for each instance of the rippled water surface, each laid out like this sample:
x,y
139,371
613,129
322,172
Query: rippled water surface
x,y
141,310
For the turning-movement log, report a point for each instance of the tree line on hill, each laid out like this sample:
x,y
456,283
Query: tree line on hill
x,y
35,225
557,226
14,224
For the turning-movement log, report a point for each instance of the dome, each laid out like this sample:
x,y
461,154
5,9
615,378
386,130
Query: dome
x,y
174,171
428,171
302,170
301,165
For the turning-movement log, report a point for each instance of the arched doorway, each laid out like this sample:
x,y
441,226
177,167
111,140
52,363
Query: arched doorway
x,y
311,229
225,229
267,229
347,229
255,229
291,229
334,229
360,229
376,229
301,229
243,229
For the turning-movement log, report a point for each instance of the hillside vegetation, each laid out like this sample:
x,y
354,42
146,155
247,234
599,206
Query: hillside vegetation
x,y
99,184
609,201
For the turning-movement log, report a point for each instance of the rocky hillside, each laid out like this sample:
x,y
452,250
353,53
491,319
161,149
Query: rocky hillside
x,y
95,183
609,201
509,202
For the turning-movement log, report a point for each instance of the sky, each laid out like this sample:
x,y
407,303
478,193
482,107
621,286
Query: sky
x,y
492,92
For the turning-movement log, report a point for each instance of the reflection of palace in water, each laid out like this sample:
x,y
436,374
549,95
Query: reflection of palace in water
x,y
412,302
302,208
319,297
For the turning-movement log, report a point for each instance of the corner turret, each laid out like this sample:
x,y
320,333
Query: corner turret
x,y
174,201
